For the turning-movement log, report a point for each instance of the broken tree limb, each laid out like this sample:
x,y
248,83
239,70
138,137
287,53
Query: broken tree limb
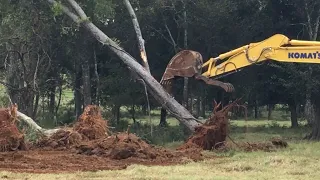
x,y
176,109
141,41
143,53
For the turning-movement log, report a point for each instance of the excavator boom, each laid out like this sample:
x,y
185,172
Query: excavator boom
x,y
278,47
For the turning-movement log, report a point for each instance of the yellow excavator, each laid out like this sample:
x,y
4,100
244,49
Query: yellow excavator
x,y
188,63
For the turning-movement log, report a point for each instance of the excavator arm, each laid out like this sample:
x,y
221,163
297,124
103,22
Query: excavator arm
x,y
276,48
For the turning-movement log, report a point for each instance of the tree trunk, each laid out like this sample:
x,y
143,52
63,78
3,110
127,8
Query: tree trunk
x,y
52,98
294,115
153,85
198,104
190,104
116,113
133,113
315,134
144,109
185,45
256,111
36,105
313,29
97,99
203,102
309,110
203,107
86,82
77,91
163,117
270,108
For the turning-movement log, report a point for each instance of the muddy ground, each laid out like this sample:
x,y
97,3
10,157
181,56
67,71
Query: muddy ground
x,y
90,146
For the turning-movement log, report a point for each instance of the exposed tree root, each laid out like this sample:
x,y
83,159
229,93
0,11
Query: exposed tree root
x,y
212,134
11,138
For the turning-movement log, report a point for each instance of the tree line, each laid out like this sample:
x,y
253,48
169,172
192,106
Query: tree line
x,y
44,52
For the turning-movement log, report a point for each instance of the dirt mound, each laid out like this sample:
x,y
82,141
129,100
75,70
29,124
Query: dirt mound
x,y
10,137
120,146
212,134
62,139
279,143
123,146
90,124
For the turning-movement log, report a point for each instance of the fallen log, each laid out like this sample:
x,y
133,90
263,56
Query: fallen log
x,y
31,123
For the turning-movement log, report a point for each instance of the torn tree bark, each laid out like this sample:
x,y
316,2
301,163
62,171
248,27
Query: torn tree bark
x,y
141,41
177,110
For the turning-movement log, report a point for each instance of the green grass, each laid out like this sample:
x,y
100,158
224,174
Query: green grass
x,y
299,161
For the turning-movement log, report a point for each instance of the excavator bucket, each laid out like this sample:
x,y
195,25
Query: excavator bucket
x,y
188,63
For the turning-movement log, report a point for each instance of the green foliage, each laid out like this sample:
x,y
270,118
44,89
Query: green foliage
x,y
57,8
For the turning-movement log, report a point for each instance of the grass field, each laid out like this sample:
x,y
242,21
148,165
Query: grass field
x,y
298,161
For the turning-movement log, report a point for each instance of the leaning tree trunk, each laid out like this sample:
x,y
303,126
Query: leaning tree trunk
x,y
178,111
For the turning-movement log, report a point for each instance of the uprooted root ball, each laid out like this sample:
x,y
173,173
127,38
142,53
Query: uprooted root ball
x,y
10,137
91,124
212,134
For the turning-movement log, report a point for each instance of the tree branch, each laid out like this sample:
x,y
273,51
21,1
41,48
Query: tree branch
x,y
171,37
316,28
308,19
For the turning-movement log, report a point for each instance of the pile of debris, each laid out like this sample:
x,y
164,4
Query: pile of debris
x,y
11,138
90,136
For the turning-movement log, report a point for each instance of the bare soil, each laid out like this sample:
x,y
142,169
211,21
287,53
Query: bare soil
x,y
86,146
